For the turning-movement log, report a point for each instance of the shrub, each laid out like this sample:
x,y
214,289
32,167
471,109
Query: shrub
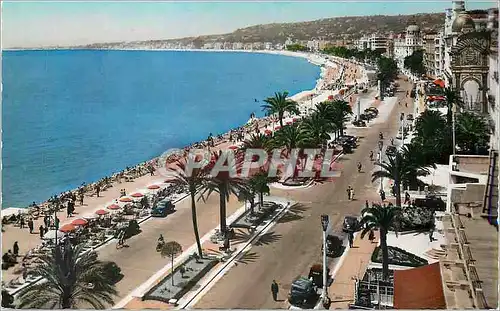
x,y
399,257
112,271
132,229
415,218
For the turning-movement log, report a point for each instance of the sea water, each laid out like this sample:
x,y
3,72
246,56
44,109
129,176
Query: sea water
x,y
73,116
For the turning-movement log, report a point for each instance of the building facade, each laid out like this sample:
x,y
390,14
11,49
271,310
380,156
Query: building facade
x,y
407,43
429,44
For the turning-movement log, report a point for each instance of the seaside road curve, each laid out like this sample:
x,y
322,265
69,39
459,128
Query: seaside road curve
x,y
297,241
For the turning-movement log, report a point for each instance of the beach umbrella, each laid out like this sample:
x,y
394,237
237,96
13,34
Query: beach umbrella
x,y
268,132
153,187
169,180
289,122
67,228
91,216
101,212
114,206
233,147
52,234
136,195
330,97
79,222
125,199
277,127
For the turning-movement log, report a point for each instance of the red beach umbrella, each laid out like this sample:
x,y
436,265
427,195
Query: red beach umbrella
x,y
125,199
67,228
114,206
330,97
101,212
268,132
170,179
233,147
277,127
136,195
152,187
289,122
79,222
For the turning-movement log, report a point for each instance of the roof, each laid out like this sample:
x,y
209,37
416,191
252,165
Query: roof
x,y
419,288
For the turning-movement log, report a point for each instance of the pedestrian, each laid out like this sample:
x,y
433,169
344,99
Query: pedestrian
x,y
56,222
392,141
407,197
367,205
371,155
348,193
97,189
371,236
274,290
30,225
352,194
350,236
16,249
41,231
382,195
21,222
81,198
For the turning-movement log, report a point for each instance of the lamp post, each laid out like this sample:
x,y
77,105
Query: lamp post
x,y
325,220
402,119
380,148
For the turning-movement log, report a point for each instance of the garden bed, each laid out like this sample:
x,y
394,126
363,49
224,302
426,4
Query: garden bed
x,y
290,182
399,257
416,218
246,220
194,270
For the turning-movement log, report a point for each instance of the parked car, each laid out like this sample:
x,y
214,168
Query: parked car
x,y
334,244
391,151
359,123
302,292
316,275
351,223
409,117
373,109
163,208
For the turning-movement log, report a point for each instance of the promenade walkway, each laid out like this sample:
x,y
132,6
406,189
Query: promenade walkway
x,y
353,267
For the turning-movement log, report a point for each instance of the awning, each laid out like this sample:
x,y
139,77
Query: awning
x,y
419,288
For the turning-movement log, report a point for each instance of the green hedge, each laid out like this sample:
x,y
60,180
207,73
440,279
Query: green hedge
x,y
404,258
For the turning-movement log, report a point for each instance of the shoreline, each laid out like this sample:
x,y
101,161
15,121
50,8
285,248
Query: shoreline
x,y
318,60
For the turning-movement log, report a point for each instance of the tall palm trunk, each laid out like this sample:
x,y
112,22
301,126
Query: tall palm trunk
x,y
397,192
385,253
194,217
449,120
280,116
222,210
261,199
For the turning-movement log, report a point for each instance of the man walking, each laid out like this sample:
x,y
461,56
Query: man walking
x,y
30,225
274,290
350,236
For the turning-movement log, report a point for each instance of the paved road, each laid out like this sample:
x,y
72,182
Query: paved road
x,y
295,243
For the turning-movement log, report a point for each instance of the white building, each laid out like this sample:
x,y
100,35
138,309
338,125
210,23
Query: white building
x,y
289,41
405,45
363,43
257,45
268,45
378,43
218,45
228,45
237,46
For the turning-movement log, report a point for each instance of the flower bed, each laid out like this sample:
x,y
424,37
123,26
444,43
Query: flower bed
x,y
415,218
399,257
192,271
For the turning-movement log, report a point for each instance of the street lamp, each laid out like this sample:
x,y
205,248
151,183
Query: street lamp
x,y
402,119
380,148
325,220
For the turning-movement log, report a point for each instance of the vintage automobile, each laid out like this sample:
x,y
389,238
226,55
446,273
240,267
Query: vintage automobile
x,y
302,292
359,123
163,208
351,224
334,244
391,151
316,275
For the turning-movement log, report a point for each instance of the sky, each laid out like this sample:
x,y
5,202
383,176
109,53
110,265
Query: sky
x,y
48,23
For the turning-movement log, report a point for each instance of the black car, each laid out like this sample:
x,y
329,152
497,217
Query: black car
x,y
302,292
351,224
163,208
359,123
391,151
409,117
372,109
334,245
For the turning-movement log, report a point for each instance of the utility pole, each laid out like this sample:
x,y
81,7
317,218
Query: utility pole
x,y
324,224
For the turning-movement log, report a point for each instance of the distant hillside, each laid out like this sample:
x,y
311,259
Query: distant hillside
x,y
351,27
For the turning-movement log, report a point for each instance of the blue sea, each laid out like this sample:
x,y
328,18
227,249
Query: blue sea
x,y
71,116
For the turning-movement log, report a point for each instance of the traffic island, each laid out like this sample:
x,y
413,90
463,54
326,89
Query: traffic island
x,y
183,278
249,220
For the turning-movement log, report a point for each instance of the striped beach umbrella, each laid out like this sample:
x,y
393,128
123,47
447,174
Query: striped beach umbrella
x,y
79,222
114,207
137,195
67,228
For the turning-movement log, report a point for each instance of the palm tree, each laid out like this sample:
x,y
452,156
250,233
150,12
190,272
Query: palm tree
x,y
290,137
194,182
341,112
431,135
259,184
73,278
279,104
381,218
472,132
316,129
402,168
257,141
223,182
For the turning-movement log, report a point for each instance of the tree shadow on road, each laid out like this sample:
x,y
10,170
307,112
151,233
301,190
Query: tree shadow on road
x,y
245,258
295,212
265,239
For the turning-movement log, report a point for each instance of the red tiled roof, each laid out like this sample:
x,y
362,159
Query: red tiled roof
x,y
419,288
